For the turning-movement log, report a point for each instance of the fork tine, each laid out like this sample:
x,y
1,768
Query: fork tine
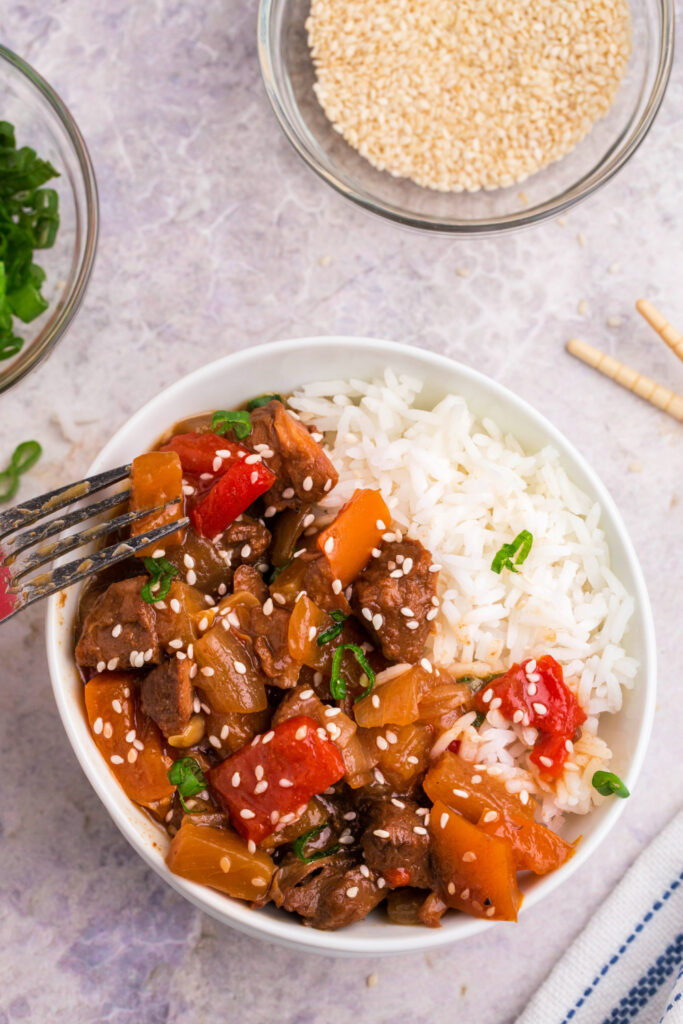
x,y
47,552
79,569
28,538
45,504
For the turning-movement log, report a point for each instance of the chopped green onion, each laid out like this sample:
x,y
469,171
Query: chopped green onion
x,y
189,779
161,572
480,717
609,784
337,684
334,631
23,457
238,422
299,846
29,220
520,546
256,403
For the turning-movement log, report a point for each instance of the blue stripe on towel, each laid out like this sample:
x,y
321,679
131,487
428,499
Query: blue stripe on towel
x,y
648,986
676,998
657,905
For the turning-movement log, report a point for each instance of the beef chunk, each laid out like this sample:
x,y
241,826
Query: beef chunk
x,y
402,857
412,907
329,894
304,472
249,579
270,633
247,539
167,695
120,629
385,588
317,584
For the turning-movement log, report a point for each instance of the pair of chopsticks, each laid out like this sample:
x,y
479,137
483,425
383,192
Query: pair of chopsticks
x,y
665,399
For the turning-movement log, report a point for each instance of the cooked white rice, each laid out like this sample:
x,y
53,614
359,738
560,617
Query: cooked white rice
x,y
464,488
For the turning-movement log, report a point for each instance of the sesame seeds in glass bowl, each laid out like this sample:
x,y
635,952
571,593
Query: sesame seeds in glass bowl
x,y
576,155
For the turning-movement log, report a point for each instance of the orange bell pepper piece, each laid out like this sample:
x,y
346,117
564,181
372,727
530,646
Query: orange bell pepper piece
x,y
347,542
157,478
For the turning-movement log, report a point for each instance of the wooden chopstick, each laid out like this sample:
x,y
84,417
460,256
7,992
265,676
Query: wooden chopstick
x,y
664,329
663,398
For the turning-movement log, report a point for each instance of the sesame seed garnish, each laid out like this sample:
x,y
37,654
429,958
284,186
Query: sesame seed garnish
x,y
252,459
332,712
175,644
270,512
350,816
306,694
380,526
207,671
300,733
379,777
469,856
396,574
288,493
97,726
377,621
328,547
117,630
496,703
476,779
381,833
268,737
337,586
381,882
222,589
419,830
188,561
328,485
490,816
408,612
107,731
116,759
376,552
236,779
352,891
132,756
490,911
518,716
112,664
240,668
268,606
274,817
367,614
546,761
101,665
451,888
524,796
381,743
261,786
225,732
246,551
487,695
398,803
568,746
251,846
285,783
246,813
307,483
116,704
411,759
465,894
215,742
540,709
532,689
279,598
426,664
130,736
224,864
407,566
375,701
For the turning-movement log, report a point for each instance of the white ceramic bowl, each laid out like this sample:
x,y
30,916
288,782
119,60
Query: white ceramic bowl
x,y
280,367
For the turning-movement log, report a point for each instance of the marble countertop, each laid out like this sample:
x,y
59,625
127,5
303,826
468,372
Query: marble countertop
x,y
215,236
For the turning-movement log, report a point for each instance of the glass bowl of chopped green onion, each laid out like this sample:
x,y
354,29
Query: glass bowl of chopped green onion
x,y
400,108
48,218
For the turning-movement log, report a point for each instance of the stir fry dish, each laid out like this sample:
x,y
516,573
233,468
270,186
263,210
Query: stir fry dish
x,y
260,686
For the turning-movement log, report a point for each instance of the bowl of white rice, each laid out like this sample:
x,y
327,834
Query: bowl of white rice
x,y
464,465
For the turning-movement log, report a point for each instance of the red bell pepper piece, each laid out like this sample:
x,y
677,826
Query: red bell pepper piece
x,y
537,695
275,775
550,753
397,877
240,485
198,452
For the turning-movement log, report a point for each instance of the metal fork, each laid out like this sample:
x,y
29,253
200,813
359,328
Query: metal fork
x,y
17,591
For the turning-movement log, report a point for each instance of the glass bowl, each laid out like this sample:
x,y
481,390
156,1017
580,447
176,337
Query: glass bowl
x,y
43,122
289,76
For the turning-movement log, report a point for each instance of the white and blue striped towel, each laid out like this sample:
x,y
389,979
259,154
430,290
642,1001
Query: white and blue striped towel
x,y
626,967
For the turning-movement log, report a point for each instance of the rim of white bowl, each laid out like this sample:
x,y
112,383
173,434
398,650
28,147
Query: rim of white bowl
x,y
290,932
